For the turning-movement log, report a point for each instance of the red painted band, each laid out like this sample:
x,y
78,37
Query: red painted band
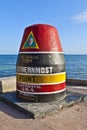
x,y
41,88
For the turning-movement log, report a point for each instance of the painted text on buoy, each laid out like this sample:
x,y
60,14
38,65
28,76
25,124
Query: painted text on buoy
x,y
40,65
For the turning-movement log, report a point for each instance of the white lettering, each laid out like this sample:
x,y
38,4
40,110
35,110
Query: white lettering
x,y
35,70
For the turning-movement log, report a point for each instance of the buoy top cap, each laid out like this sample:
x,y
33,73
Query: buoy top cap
x,y
40,25
40,38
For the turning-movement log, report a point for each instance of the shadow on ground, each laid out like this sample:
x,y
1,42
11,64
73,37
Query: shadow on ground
x,y
4,108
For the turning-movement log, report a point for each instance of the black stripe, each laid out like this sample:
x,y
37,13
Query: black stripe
x,y
54,60
40,59
42,98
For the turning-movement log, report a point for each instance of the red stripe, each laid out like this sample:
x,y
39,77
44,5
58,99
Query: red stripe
x,y
41,88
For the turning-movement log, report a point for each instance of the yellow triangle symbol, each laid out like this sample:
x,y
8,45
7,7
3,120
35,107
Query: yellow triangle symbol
x,y
30,42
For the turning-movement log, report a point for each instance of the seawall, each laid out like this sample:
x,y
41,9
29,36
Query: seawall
x,y
7,84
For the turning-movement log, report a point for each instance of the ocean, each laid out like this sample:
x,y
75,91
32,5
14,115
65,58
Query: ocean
x,y
76,66
7,65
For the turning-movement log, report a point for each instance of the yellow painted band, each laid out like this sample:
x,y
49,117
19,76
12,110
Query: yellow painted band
x,y
51,78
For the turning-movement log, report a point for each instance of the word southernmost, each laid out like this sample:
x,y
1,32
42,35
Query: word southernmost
x,y
35,70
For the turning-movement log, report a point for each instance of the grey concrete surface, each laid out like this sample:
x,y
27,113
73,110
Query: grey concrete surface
x,y
40,110
7,84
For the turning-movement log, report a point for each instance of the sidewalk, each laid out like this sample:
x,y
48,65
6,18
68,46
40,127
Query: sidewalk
x,y
70,118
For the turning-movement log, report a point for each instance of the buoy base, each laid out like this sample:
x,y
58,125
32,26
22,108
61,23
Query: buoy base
x,y
42,98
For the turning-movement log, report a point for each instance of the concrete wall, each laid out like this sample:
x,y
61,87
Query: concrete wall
x,y
7,84
77,82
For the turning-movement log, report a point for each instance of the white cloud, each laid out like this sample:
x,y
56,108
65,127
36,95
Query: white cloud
x,y
81,17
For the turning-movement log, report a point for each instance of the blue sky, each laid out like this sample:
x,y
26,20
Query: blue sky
x,y
68,16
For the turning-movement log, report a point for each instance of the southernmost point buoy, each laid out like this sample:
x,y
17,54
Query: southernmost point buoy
x,y
40,65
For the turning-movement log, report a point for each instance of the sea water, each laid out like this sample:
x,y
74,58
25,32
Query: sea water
x,y
76,66
8,65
